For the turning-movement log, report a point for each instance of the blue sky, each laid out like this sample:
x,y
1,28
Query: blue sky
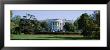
x,y
53,14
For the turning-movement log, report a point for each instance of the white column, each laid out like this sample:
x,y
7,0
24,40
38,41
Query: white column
x,y
52,25
57,25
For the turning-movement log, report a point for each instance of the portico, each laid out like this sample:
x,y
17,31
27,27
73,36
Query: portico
x,y
56,25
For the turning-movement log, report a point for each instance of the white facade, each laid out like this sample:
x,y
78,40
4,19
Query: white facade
x,y
55,24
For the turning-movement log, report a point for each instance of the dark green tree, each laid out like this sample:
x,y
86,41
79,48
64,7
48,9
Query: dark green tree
x,y
69,27
44,25
86,24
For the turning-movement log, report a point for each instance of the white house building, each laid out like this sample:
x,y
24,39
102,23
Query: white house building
x,y
55,24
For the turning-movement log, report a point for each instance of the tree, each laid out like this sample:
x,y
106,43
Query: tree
x,y
89,26
11,13
15,21
44,25
30,24
27,25
76,25
96,16
69,27
38,27
85,23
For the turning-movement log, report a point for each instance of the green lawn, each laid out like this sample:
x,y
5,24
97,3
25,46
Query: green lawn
x,y
47,37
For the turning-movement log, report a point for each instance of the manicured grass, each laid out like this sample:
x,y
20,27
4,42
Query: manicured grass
x,y
47,37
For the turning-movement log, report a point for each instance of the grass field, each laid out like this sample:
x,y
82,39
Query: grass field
x,y
47,37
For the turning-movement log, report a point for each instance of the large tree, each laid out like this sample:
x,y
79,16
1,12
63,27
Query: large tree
x,y
85,23
30,24
15,21
89,26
